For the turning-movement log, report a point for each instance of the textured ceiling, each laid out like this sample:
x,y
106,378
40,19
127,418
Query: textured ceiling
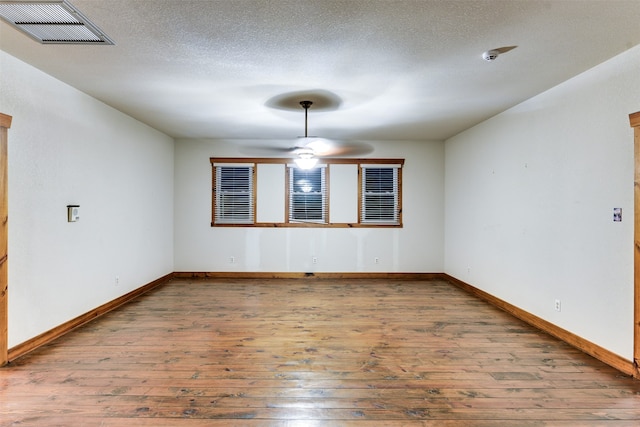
x,y
395,70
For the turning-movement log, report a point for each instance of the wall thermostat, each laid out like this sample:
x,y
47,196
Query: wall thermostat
x,y
73,213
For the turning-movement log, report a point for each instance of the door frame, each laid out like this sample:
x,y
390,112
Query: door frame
x,y
634,120
5,124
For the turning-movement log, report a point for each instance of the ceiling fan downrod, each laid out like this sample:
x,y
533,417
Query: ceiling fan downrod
x,y
305,105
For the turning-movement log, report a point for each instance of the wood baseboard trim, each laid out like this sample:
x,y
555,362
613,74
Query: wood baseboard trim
x,y
623,365
312,276
58,331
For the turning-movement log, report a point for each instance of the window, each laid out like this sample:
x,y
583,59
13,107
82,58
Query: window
x,y
380,189
273,192
233,194
308,195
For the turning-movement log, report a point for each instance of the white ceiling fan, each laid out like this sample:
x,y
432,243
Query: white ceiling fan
x,y
308,149
307,153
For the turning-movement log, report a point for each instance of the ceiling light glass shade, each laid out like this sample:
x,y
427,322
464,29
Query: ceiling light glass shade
x,y
306,162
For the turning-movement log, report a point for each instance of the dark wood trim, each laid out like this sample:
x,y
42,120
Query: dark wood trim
x,y
213,195
400,201
365,225
594,350
5,124
327,195
360,194
634,120
5,121
254,193
49,336
314,275
287,197
307,225
286,223
288,184
288,160
586,346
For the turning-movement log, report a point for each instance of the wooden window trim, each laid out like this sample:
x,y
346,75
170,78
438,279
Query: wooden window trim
x,y
213,191
285,162
327,213
360,195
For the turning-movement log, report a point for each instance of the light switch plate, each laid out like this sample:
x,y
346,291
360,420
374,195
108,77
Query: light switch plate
x,y
73,213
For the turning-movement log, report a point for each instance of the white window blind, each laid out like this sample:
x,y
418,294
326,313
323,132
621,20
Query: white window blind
x,y
380,195
307,195
233,194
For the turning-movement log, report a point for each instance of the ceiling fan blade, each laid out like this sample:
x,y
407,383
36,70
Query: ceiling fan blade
x,y
309,146
343,149
268,150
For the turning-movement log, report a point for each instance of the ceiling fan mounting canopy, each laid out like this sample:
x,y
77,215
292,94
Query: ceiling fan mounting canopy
x,y
323,100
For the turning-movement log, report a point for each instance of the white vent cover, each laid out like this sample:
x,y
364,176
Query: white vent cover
x,y
52,22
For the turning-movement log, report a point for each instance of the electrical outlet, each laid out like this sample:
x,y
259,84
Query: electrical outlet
x,y
376,260
117,280
314,260
558,305
232,260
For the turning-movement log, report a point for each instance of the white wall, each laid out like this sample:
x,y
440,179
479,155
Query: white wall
x,y
67,148
529,200
529,204
417,247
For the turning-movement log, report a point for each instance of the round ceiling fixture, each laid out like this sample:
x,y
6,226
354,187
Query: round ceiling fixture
x,y
492,54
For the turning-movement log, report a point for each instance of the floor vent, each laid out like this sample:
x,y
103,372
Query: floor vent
x,y
52,22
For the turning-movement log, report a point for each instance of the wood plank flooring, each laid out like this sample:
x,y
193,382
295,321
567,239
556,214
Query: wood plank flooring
x,y
312,353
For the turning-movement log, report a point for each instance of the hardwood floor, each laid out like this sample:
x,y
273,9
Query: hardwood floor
x,y
312,353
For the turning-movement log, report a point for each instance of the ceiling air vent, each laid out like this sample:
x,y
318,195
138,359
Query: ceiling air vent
x,y
52,22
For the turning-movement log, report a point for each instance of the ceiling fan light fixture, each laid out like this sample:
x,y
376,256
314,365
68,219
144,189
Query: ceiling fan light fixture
x,y
306,160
